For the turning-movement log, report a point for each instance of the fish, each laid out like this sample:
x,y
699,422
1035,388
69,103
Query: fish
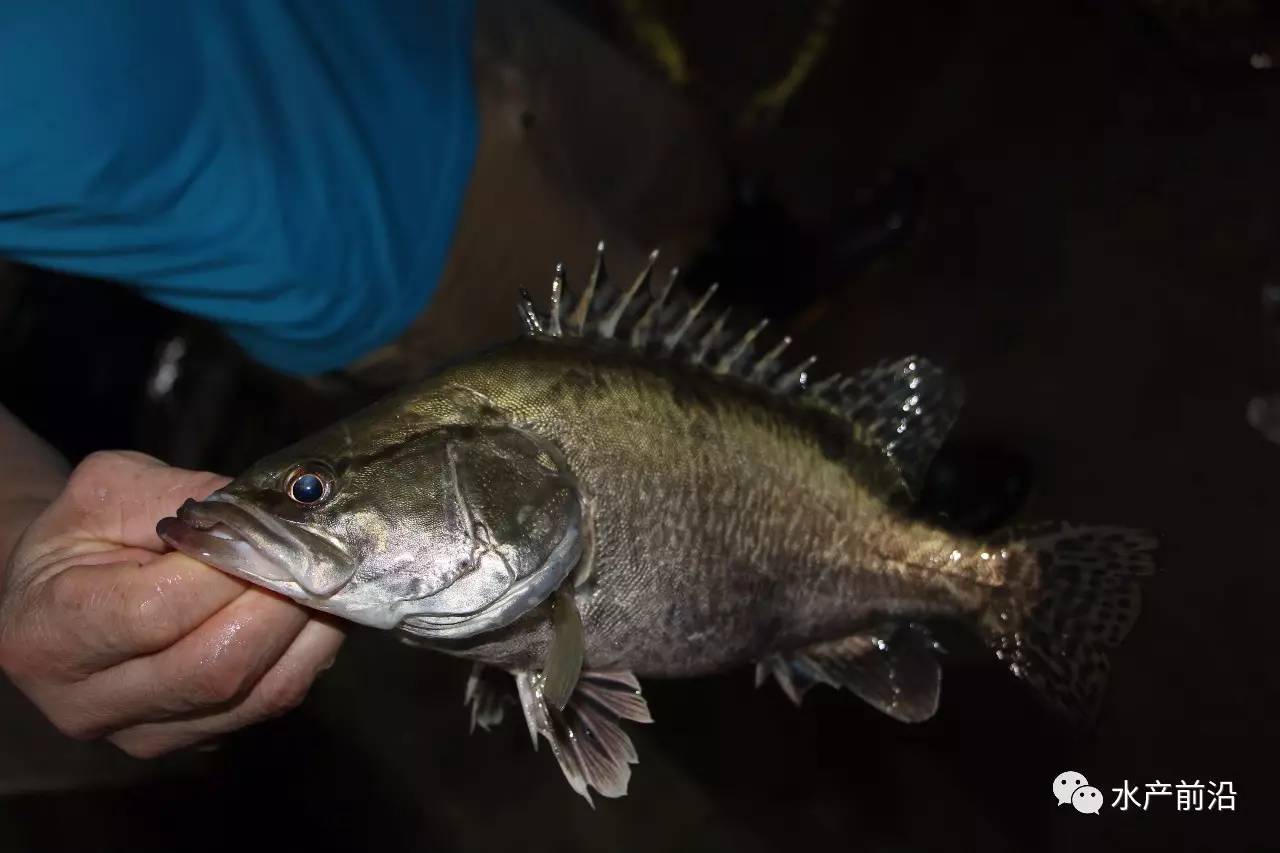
x,y
631,489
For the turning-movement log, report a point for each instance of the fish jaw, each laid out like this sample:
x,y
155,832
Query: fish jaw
x,y
217,532
222,546
232,536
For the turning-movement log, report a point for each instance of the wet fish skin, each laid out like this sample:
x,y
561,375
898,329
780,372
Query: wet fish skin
x,y
431,511
726,525
697,509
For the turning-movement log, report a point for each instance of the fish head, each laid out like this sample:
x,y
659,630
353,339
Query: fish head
x,y
459,528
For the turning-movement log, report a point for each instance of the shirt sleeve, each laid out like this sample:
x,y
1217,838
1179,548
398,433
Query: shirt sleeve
x,y
290,170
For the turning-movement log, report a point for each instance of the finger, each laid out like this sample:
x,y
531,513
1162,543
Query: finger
x,y
213,667
118,496
283,688
90,618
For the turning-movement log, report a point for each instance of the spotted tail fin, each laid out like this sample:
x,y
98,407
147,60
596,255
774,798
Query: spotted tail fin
x,y
1076,597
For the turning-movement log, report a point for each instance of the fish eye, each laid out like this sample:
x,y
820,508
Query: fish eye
x,y
308,487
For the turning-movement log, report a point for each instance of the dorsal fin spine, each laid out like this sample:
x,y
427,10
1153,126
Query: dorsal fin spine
x,y
672,340
578,319
640,334
709,339
609,324
529,314
740,348
557,297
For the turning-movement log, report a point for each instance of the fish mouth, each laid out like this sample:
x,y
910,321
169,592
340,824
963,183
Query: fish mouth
x,y
241,541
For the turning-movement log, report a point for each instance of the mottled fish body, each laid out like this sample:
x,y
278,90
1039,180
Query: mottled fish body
x,y
726,523
628,491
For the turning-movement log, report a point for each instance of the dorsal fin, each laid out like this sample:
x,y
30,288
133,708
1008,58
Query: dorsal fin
x,y
904,407
641,331
901,409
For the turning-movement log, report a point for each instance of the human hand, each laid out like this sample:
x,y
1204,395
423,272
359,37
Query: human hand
x,y
110,636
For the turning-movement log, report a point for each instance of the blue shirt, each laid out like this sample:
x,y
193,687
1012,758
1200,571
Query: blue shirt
x,y
290,170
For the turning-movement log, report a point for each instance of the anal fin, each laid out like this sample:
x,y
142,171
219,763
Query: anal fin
x,y
586,737
894,669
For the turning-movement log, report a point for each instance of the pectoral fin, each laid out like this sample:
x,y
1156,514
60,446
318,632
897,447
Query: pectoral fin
x,y
564,657
895,670
586,736
560,673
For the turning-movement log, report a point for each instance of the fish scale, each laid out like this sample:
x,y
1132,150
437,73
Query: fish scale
x,y
659,503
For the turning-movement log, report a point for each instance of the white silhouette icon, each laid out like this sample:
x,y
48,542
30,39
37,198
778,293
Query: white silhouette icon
x,y
1087,799
1065,785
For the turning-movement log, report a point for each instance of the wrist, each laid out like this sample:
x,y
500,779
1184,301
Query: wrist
x,y
16,515
32,474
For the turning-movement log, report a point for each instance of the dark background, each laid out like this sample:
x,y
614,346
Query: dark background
x,y
1087,204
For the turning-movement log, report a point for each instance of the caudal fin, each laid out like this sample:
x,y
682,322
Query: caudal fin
x,y
1078,597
